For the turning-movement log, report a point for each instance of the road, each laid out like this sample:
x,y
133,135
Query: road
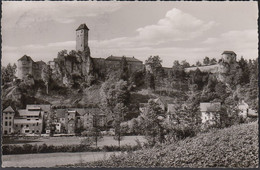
x,y
52,159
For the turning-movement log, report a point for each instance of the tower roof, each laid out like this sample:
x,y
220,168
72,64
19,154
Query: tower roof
x,y
228,52
25,58
82,26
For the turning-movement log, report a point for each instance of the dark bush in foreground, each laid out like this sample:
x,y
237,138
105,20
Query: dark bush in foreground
x,y
27,148
234,147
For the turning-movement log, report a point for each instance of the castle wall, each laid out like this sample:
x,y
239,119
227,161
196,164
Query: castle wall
x,y
210,68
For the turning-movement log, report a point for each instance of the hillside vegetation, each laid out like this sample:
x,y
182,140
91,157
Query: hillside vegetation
x,y
236,146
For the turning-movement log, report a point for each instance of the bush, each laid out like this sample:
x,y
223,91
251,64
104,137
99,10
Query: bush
x,y
28,148
234,147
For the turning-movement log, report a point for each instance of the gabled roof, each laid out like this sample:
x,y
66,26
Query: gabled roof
x,y
228,52
116,58
26,58
210,107
9,109
82,26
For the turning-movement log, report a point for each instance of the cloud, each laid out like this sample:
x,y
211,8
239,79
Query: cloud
x,y
243,42
175,26
24,14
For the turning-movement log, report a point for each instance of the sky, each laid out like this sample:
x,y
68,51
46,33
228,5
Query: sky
x,y
173,30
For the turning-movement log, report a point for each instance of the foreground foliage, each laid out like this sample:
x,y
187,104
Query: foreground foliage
x,y
236,146
28,148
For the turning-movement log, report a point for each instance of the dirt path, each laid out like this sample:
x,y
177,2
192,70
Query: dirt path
x,y
52,159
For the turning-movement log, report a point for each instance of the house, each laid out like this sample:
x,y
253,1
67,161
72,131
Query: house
x,y
8,120
161,102
61,115
210,112
73,119
29,120
245,111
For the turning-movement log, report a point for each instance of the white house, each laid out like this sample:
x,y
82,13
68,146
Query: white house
x,y
210,112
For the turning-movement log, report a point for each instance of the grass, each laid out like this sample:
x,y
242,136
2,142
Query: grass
x,y
234,147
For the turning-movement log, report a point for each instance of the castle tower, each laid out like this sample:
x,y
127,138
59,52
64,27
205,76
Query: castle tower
x,y
82,38
229,56
25,66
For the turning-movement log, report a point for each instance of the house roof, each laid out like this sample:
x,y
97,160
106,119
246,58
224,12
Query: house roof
x,y
228,52
82,26
28,113
210,107
9,109
44,107
26,58
117,58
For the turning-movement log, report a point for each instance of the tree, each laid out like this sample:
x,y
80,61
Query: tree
x,y
120,111
46,75
176,63
185,64
154,61
112,93
206,61
198,63
213,61
153,123
124,75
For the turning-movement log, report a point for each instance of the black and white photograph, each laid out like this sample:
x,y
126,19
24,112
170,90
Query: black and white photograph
x,y
101,84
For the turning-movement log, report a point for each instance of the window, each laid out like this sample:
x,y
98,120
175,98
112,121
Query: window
x,y
10,130
10,123
27,125
26,131
33,124
32,131
16,125
21,126
6,124
6,117
37,124
37,131
10,117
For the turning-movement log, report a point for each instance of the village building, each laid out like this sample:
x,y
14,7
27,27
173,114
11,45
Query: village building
x,y
29,121
8,120
210,112
245,111
77,119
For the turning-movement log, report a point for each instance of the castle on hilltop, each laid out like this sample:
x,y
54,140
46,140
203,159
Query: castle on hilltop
x,y
79,62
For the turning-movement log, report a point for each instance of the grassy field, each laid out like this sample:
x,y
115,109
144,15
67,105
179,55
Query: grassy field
x,y
56,141
52,159
234,147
